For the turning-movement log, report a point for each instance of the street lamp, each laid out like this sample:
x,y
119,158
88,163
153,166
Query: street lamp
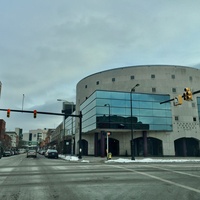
x,y
72,109
132,144
108,113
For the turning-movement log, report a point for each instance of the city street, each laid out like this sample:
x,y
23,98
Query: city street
x,y
40,178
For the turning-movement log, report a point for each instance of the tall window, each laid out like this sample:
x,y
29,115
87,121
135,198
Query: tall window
x,y
198,106
153,89
176,118
174,90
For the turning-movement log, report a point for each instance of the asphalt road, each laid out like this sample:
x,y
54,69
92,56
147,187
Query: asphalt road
x,y
24,178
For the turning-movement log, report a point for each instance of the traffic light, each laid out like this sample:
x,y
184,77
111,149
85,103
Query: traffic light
x,y
187,95
178,100
8,113
35,113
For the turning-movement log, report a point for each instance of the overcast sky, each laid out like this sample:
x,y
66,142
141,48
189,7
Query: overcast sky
x,y
48,46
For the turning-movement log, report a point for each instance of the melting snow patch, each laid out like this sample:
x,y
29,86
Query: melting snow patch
x,y
150,160
85,161
70,158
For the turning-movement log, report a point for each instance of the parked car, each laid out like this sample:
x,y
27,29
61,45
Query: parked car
x,y
15,152
12,152
1,151
42,151
31,153
22,150
51,153
7,153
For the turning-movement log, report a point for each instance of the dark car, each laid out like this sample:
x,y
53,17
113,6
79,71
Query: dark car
x,y
31,153
7,153
1,152
42,151
51,153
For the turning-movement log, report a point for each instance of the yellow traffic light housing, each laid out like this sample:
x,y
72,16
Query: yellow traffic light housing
x,y
187,95
8,113
35,113
178,100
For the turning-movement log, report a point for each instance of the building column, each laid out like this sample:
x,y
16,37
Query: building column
x,y
145,149
96,144
184,147
102,145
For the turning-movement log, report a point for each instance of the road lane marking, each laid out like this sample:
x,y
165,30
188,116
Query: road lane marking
x,y
160,179
7,169
174,171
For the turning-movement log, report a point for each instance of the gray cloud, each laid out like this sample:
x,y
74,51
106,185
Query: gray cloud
x,y
46,47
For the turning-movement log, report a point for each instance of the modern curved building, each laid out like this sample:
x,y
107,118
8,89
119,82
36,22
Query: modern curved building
x,y
127,102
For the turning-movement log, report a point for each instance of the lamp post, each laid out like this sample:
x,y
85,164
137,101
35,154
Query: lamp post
x,y
107,133
132,143
108,113
72,106
80,135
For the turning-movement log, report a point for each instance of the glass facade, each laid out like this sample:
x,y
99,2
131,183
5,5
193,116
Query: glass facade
x,y
109,109
70,125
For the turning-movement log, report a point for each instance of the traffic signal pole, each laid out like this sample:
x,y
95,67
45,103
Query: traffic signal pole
x,y
80,136
35,112
187,95
39,112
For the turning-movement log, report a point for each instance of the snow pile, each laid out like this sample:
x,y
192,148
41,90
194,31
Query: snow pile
x,y
128,160
121,160
150,160
70,158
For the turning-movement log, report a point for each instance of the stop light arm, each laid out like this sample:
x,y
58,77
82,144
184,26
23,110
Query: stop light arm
x,y
39,112
196,92
167,101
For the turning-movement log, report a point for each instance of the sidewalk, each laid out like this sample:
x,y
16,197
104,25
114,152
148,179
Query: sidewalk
x,y
93,159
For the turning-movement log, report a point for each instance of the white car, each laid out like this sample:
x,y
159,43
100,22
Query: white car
x,y
31,153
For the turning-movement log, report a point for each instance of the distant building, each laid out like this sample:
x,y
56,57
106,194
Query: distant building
x,y
7,143
14,139
0,88
56,138
47,141
35,136
105,100
2,132
2,129
19,132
